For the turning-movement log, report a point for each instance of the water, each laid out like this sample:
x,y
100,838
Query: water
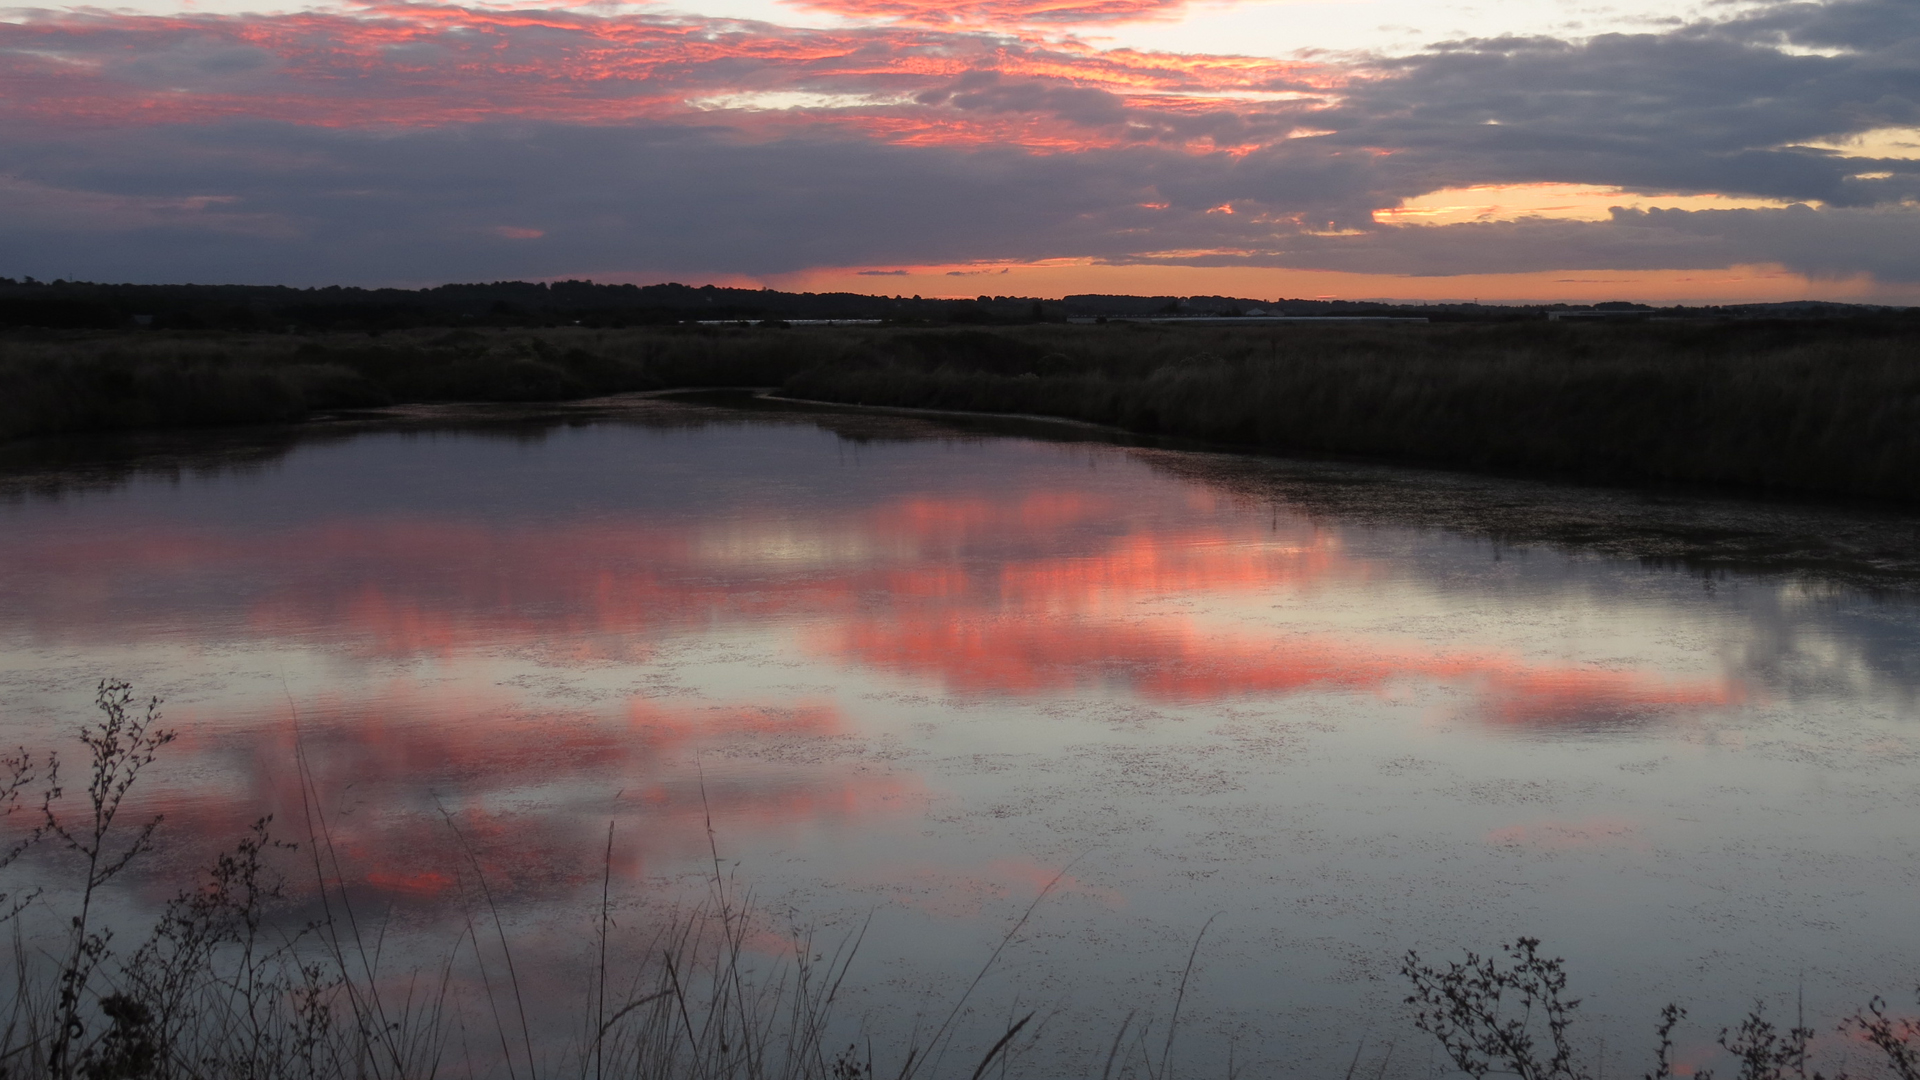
x,y
912,673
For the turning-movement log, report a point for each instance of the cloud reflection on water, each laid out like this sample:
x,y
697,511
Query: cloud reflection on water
x,y
1182,664
977,595
1017,593
396,771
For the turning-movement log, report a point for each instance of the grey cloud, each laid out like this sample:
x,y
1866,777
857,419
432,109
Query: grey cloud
x,y
1874,26
1822,244
1703,108
429,205
985,91
1826,243
1715,107
305,206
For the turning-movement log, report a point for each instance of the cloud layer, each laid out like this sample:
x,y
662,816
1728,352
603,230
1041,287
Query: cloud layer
x,y
422,142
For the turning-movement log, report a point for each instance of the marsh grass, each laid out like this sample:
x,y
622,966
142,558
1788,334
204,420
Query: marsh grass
x,y
238,979
1812,405
1832,407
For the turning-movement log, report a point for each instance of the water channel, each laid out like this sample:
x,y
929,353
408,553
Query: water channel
x,y
904,673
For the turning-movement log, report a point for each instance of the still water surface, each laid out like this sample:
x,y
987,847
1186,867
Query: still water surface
x,y
913,673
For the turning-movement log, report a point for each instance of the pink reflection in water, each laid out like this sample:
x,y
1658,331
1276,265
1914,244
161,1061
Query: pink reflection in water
x,y
1029,593
406,782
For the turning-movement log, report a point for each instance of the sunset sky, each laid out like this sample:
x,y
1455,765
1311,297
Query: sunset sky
x,y
1411,149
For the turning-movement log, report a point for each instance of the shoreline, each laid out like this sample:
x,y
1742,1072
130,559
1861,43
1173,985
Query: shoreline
x,y
1858,544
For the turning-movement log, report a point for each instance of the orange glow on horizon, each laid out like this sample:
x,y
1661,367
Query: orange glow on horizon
x,y
1062,277
1559,202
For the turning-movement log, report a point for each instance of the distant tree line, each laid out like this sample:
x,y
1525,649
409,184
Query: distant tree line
x,y
78,305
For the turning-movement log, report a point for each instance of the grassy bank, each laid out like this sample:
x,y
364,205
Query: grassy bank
x,y
1817,407
106,382
1821,406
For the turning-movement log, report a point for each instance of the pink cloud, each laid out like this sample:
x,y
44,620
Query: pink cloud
x,y
426,65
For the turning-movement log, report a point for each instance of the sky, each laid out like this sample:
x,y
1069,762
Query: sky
x,y
1493,150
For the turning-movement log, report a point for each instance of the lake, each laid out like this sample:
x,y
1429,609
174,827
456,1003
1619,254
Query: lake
x,y
905,673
